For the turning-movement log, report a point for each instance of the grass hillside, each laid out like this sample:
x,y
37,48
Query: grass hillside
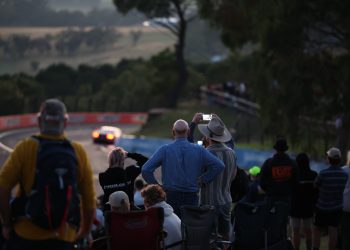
x,y
161,125
152,41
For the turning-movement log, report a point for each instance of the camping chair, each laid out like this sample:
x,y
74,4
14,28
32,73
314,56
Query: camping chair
x,y
136,230
199,228
261,226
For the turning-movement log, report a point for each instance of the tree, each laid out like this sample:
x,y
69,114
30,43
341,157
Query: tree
x,y
183,12
303,51
20,44
58,81
12,101
135,36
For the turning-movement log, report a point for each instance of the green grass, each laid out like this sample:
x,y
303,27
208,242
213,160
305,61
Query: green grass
x,y
248,130
160,126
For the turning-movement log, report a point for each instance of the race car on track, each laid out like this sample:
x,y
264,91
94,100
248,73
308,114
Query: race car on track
x,y
106,134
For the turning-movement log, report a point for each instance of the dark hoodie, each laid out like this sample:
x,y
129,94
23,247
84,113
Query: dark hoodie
x,y
279,176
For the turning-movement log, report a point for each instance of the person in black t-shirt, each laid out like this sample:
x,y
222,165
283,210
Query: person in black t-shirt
x,y
303,202
118,178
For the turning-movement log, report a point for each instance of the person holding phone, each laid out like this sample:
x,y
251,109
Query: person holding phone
x,y
217,193
197,119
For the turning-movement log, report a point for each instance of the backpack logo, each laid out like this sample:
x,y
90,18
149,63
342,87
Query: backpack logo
x,y
54,198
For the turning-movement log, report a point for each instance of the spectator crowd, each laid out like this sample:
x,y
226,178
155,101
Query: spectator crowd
x,y
191,174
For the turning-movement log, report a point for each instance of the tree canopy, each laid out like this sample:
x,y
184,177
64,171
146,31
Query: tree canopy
x,y
182,12
301,81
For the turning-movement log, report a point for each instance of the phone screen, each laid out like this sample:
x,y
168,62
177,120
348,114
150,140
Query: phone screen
x,y
200,143
207,117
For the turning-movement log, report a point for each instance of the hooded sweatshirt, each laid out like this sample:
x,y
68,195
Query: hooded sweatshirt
x,y
172,225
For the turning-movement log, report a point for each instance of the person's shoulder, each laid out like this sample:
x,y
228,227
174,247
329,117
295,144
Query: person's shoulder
x,y
267,162
26,143
77,146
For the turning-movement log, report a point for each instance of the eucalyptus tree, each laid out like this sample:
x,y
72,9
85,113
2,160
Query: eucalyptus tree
x,y
302,56
174,15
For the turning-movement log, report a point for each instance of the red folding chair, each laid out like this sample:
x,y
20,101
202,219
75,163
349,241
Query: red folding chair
x,y
136,230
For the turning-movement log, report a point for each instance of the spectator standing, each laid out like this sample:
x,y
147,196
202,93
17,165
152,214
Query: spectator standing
x,y
154,196
116,178
303,202
217,192
21,168
185,167
330,183
279,174
197,118
345,225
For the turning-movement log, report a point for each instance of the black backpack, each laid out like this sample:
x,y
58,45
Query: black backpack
x,y
240,185
54,198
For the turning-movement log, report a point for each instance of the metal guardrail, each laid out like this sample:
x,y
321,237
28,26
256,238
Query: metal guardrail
x,y
223,98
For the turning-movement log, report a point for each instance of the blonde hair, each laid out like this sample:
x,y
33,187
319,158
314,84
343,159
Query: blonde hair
x,y
116,158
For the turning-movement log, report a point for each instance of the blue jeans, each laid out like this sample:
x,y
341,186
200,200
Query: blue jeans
x,y
19,243
177,199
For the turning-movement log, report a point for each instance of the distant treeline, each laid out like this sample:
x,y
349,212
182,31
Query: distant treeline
x,y
67,42
131,85
37,13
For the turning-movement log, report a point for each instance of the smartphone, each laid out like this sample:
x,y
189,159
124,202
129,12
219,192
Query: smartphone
x,y
207,117
200,143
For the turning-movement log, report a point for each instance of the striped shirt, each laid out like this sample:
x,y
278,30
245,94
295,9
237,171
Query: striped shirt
x,y
331,183
217,192
346,194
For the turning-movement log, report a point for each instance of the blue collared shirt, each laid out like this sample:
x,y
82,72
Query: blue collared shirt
x,y
182,164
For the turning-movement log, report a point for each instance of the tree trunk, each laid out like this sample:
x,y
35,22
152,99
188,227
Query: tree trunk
x,y
181,64
343,136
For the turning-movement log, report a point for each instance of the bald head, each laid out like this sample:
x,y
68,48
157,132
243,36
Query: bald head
x,y
180,128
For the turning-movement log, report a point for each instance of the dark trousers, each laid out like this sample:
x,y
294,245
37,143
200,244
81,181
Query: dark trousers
x,y
177,199
345,231
18,243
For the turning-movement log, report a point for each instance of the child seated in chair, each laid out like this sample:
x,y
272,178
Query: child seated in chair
x,y
154,196
119,202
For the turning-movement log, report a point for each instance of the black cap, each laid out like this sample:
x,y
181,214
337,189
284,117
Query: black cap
x,y
281,145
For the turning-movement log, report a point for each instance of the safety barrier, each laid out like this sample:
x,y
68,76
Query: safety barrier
x,y
30,120
228,100
246,158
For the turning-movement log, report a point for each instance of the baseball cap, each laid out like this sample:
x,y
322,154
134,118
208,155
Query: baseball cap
x,y
254,171
53,110
334,153
52,114
118,198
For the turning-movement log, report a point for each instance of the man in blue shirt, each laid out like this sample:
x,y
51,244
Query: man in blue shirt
x,y
185,168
